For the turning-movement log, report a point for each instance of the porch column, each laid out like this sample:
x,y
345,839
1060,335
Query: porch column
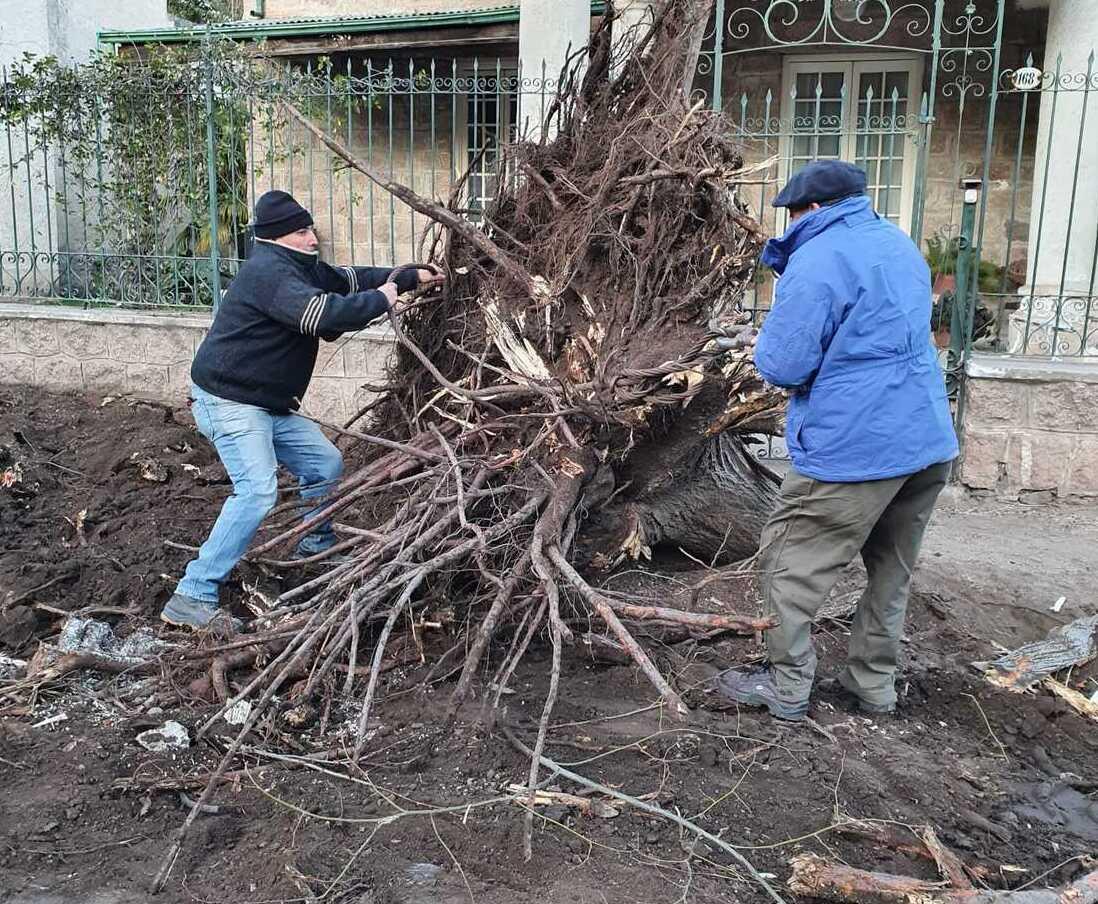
x,y
1063,223
549,32
634,19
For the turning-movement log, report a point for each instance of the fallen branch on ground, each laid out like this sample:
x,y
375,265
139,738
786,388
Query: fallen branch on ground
x,y
814,877
640,804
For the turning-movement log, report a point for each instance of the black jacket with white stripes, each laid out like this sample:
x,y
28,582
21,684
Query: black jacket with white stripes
x,y
262,346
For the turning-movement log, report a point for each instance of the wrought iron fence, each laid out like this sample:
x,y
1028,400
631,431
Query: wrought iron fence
x,y
131,183
1040,299
928,97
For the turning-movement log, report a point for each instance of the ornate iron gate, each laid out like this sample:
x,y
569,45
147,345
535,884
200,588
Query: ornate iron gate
x,y
904,88
864,80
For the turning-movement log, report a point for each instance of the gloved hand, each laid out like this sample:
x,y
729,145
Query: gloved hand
x,y
738,334
744,339
428,277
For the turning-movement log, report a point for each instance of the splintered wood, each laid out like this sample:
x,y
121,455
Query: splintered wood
x,y
814,877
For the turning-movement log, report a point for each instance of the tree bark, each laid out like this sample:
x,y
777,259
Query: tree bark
x,y
814,877
700,12
713,505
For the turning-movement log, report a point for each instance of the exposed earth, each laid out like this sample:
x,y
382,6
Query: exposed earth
x,y
97,486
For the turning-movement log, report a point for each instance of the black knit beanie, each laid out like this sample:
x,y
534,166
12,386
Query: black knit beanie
x,y
278,214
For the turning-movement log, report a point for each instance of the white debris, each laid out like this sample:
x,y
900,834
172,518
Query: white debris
x,y
87,635
238,713
1059,604
52,720
10,666
169,736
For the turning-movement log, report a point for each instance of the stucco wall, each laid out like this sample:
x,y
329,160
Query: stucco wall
x,y
66,29
105,351
282,9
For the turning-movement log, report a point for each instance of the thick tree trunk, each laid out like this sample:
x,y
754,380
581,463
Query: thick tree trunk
x,y
713,504
716,507
700,11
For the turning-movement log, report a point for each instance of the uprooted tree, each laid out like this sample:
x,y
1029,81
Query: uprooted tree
x,y
582,392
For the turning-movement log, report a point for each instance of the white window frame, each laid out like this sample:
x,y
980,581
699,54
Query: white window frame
x,y
508,69
853,66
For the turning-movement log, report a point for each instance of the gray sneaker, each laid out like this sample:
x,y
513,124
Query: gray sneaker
x,y
756,687
183,611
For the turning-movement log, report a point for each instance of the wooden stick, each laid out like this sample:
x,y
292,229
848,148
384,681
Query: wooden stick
x,y
484,634
606,613
890,836
815,877
1079,702
541,182
377,440
705,621
949,864
73,662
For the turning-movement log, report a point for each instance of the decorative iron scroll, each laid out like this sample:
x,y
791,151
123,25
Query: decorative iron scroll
x,y
794,23
1054,79
1061,325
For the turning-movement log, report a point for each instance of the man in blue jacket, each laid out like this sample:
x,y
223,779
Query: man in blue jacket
x,y
250,374
869,433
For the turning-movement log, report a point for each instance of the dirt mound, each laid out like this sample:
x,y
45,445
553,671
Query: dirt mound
x,y
94,488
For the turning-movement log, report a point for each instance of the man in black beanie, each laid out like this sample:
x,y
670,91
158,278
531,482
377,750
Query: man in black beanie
x,y
249,377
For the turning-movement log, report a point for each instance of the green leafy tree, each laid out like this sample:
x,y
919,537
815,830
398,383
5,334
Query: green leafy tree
x,y
203,11
129,143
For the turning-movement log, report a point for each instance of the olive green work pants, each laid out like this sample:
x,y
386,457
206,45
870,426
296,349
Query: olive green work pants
x,y
813,534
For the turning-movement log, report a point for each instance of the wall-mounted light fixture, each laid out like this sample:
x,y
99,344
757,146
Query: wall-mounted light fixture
x,y
846,10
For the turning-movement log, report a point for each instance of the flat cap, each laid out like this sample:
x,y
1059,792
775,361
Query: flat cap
x,y
820,182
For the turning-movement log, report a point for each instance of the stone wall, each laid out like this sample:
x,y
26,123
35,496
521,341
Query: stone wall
x,y
1031,426
109,351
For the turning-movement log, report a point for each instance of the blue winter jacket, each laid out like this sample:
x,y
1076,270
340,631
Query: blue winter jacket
x,y
849,334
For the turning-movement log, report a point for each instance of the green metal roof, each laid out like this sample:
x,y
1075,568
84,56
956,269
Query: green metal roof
x,y
314,26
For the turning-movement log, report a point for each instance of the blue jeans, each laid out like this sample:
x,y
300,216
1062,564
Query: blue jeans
x,y
252,442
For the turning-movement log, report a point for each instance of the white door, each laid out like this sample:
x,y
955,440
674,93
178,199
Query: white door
x,y
862,110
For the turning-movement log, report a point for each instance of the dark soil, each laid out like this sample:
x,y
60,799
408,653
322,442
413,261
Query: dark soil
x,y
80,455
1007,780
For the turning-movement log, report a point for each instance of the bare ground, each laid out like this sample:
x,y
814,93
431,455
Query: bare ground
x,y
1008,781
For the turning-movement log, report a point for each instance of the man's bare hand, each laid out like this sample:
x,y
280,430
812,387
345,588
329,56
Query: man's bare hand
x,y
390,291
429,277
